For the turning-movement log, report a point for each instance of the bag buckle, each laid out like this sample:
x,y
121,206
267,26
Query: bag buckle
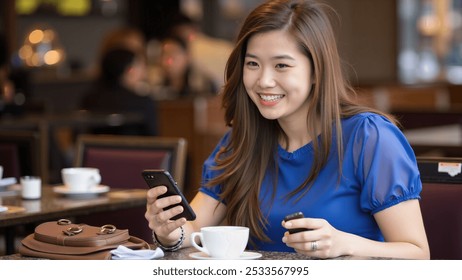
x,y
107,229
73,231
63,222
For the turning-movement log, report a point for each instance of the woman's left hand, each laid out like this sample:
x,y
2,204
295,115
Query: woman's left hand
x,y
320,240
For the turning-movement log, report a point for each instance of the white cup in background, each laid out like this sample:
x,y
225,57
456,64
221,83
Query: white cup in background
x,y
80,179
31,187
222,242
1,172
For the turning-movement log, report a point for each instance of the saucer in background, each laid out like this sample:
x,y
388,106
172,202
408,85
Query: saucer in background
x,y
97,190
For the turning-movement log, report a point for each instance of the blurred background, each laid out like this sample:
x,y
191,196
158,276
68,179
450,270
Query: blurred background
x,y
408,41
403,56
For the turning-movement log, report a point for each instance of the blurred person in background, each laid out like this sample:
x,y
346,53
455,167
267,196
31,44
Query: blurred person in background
x,y
130,38
208,54
124,37
115,91
120,87
180,79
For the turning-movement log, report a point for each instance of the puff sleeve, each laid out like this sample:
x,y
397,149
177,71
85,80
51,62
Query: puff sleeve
x,y
385,164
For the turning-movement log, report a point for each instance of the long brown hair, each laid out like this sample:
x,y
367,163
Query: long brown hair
x,y
252,148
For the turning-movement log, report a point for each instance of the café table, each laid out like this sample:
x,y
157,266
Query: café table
x,y
185,254
55,206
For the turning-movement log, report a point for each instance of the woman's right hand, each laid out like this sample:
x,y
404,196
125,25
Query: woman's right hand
x,y
160,222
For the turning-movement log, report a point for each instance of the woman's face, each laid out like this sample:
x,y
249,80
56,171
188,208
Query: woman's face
x,y
174,59
135,73
277,76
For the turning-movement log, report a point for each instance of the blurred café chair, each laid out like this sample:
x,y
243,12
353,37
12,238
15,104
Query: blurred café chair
x,y
441,206
121,159
23,153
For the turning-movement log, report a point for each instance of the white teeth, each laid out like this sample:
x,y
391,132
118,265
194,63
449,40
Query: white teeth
x,y
271,97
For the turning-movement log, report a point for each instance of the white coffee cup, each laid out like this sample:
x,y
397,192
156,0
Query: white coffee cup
x,y
1,172
31,187
80,179
222,242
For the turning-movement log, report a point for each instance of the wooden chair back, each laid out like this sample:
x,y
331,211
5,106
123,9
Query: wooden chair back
x,y
441,207
22,153
121,159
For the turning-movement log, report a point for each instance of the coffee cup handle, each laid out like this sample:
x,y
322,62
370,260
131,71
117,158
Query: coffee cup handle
x,y
193,242
96,178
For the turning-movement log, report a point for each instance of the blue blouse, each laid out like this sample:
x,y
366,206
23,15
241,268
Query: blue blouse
x,y
379,171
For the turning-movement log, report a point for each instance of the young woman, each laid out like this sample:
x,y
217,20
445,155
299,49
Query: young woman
x,y
300,143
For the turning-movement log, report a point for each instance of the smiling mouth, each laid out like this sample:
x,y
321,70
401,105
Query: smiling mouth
x,y
271,97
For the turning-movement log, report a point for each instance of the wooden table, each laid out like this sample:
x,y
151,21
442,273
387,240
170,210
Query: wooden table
x,y
53,206
184,254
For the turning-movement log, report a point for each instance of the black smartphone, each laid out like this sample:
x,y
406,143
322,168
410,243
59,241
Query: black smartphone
x,y
293,216
160,177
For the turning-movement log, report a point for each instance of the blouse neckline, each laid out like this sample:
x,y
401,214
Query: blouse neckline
x,y
308,148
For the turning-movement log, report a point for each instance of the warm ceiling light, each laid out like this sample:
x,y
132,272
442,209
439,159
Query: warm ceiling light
x,y
42,48
36,36
52,57
25,52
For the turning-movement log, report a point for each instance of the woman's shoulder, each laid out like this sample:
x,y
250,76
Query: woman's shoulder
x,y
364,118
221,143
224,141
374,130
369,124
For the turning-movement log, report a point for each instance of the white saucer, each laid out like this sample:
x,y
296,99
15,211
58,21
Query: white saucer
x,y
245,256
6,182
64,190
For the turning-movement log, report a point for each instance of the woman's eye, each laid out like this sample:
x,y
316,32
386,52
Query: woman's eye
x,y
251,63
281,65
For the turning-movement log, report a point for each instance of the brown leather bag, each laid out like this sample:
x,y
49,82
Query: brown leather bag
x,y
62,240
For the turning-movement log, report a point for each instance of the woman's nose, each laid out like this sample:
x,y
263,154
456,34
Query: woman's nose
x,y
266,78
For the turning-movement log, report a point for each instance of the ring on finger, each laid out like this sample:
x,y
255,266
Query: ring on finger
x,y
314,245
